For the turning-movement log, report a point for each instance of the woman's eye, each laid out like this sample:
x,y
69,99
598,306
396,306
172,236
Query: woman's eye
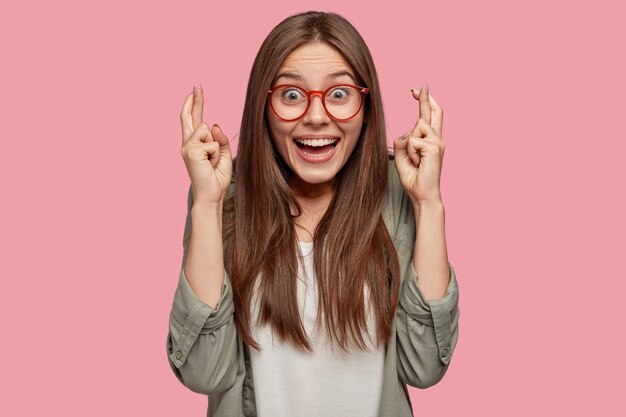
x,y
339,93
291,94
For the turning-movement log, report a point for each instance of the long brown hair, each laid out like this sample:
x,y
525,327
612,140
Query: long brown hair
x,y
353,248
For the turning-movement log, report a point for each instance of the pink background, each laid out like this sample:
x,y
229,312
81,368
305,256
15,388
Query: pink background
x,y
95,191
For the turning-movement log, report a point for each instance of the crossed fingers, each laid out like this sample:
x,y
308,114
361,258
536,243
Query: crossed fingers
x,y
429,112
191,113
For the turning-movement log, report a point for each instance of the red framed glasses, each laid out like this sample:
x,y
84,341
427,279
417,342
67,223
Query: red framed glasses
x,y
341,101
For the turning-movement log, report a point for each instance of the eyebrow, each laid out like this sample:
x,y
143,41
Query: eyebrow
x,y
297,76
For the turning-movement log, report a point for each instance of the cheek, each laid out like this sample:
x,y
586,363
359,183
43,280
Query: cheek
x,y
275,132
354,133
278,128
279,134
356,129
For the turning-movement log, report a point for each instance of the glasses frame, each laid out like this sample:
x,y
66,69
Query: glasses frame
x,y
309,96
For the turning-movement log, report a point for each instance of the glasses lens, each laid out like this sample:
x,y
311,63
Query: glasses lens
x,y
342,101
289,102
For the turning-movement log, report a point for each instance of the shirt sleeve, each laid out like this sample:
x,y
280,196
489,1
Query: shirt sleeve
x,y
427,330
202,340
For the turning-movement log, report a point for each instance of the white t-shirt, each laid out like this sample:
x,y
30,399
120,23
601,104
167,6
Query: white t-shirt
x,y
324,383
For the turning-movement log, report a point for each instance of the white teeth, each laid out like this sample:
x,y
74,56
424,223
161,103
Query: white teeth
x,y
317,142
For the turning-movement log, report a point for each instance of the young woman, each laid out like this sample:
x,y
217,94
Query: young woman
x,y
299,292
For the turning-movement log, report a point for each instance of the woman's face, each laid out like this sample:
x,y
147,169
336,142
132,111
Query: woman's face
x,y
313,67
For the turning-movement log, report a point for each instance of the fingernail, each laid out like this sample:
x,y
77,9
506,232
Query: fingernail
x,y
413,91
427,91
218,126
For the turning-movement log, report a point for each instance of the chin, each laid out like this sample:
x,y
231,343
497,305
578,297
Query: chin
x,y
319,175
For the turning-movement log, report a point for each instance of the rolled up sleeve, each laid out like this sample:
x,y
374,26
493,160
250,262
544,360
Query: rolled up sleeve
x,y
427,331
440,314
202,341
190,317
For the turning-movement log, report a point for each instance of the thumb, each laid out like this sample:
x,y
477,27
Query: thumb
x,y
222,139
400,145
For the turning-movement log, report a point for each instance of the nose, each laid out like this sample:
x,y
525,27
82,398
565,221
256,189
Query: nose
x,y
316,114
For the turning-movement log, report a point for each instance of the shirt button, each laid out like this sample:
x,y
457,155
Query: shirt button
x,y
444,352
179,354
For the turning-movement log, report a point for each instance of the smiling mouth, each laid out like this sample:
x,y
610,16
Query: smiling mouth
x,y
317,147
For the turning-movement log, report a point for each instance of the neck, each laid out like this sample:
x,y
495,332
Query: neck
x,y
312,192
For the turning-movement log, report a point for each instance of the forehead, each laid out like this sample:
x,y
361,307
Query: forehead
x,y
316,61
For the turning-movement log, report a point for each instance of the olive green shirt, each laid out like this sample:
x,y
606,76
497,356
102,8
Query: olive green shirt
x,y
207,355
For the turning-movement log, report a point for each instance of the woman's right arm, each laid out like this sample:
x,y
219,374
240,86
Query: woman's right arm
x,y
202,337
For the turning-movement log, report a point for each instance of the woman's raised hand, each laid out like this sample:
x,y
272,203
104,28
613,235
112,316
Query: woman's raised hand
x,y
419,152
206,152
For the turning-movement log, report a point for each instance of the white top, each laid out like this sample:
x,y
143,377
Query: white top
x,y
325,383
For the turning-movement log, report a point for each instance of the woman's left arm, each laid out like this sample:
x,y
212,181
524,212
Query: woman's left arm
x,y
427,326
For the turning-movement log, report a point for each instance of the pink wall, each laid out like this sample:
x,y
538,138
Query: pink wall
x,y
95,191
